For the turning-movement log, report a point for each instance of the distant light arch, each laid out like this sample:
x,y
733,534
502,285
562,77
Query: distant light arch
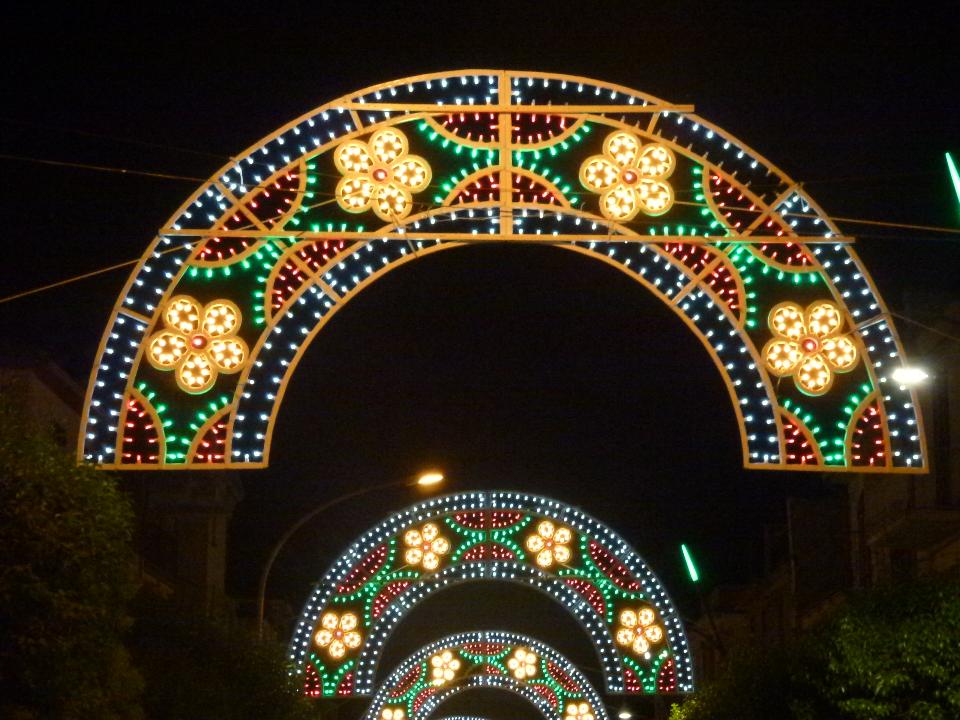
x,y
549,681
492,537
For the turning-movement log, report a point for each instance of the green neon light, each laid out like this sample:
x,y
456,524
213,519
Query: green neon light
x,y
165,431
954,175
832,446
688,559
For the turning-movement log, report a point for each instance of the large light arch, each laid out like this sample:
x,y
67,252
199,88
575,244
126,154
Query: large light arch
x,y
491,536
268,234
540,674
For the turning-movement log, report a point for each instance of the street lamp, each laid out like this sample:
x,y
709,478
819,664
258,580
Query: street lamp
x,y
430,478
909,375
704,607
427,479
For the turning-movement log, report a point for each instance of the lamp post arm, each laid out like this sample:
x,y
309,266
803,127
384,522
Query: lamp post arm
x,y
291,531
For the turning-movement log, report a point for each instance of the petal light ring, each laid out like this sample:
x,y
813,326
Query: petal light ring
x,y
380,174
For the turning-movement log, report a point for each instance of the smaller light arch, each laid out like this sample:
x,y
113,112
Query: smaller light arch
x,y
516,663
495,536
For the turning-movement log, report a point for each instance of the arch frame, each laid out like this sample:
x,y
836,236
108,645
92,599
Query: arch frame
x,y
115,375
602,577
421,704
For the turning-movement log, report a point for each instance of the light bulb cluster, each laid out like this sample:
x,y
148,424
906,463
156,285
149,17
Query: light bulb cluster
x,y
103,412
516,663
510,514
269,176
881,345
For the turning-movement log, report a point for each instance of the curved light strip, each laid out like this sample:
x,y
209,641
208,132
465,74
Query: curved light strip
x,y
387,694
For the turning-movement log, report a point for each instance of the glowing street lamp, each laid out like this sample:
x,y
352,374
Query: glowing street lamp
x,y
625,714
427,479
430,478
909,375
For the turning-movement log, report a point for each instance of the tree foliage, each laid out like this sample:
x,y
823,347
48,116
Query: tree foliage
x,y
200,668
892,653
896,654
66,573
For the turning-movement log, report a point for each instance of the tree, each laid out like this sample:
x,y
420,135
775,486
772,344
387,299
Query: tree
x,y
196,667
896,654
758,686
891,653
66,574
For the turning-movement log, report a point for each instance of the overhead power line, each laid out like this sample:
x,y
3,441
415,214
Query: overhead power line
x,y
112,138
172,176
101,168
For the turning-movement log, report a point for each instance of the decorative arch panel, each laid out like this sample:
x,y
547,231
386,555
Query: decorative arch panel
x,y
420,685
217,314
492,537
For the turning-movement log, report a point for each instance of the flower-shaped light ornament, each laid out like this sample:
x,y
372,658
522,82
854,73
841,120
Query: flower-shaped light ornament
x,y
425,546
523,664
638,630
338,633
443,668
630,178
198,342
380,174
807,343
550,544
578,711
393,713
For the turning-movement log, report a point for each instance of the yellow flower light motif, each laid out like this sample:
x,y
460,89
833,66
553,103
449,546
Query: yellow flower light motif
x,y
630,178
380,174
638,630
425,546
393,713
550,544
338,633
443,668
578,711
198,342
807,343
523,664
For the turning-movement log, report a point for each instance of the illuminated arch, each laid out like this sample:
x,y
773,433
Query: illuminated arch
x,y
708,225
492,536
509,661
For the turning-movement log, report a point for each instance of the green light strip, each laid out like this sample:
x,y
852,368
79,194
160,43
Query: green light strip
x,y
165,424
688,559
558,180
954,175
833,448
807,418
452,181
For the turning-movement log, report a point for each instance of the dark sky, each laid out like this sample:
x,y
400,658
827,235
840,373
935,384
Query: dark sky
x,y
526,368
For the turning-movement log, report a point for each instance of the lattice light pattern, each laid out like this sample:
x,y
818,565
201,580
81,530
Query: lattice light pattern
x,y
601,581
554,685
311,215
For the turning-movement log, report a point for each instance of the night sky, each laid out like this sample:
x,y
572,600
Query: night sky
x,y
521,368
